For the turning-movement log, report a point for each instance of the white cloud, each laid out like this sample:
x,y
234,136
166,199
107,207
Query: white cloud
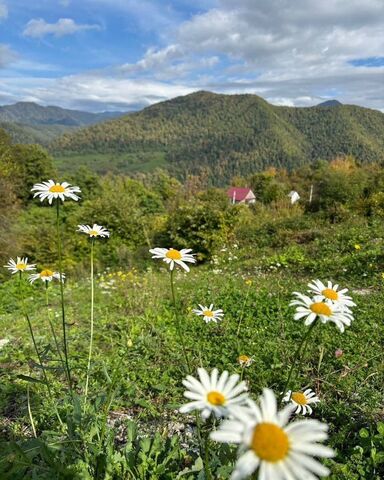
x,y
289,52
89,91
3,10
7,55
38,28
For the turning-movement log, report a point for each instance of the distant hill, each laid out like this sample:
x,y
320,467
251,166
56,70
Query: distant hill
x,y
42,135
223,135
330,103
29,113
28,122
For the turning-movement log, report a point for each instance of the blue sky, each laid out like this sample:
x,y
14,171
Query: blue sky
x,y
126,54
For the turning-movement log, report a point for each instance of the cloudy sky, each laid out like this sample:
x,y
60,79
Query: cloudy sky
x,y
125,54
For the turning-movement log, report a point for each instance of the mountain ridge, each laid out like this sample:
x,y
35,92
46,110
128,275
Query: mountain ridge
x,y
219,136
31,113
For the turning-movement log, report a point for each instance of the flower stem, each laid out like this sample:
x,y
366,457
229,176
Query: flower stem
x,y
297,358
52,327
242,311
178,326
24,310
46,382
30,413
92,321
68,371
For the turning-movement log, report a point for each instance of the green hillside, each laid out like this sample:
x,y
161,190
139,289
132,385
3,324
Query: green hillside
x,y
225,135
40,134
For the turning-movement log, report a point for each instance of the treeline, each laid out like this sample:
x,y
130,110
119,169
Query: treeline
x,y
223,135
156,209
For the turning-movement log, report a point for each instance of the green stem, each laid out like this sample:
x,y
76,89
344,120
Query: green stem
x,y
297,358
203,448
30,413
92,321
242,311
24,310
46,382
51,326
68,371
178,326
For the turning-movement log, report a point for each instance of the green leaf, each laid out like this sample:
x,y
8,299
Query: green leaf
x,y
27,378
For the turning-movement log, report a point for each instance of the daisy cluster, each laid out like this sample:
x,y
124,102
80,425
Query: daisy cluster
x,y
327,303
269,442
53,191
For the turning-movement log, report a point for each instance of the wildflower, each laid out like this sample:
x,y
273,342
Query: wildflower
x,y
339,353
213,394
208,314
46,276
54,190
172,256
357,246
313,308
302,400
95,231
19,265
248,282
4,342
267,442
245,361
331,292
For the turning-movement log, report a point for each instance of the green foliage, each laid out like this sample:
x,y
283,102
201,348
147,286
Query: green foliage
x,y
220,136
203,225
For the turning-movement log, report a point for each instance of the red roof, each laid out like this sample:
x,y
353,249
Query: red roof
x,y
238,194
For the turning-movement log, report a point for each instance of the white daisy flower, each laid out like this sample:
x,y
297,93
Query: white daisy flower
x,y
208,314
95,231
331,292
46,275
313,308
53,190
19,265
4,342
213,394
302,400
172,256
245,361
280,451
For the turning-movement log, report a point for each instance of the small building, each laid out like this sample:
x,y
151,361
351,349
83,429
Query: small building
x,y
294,196
241,195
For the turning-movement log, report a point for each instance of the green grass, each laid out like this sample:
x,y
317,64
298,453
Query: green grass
x,y
136,344
112,162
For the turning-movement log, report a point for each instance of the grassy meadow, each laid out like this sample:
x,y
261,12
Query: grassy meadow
x,y
138,366
92,371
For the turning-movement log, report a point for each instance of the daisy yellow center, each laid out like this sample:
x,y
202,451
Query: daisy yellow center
x,y
93,233
207,313
244,359
270,442
21,266
57,189
330,293
173,254
46,273
299,398
216,398
321,308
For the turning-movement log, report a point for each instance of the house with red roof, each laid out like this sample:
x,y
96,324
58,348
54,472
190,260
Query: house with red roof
x,y
241,195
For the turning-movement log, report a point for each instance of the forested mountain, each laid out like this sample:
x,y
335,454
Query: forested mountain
x,y
29,113
28,122
225,135
40,134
